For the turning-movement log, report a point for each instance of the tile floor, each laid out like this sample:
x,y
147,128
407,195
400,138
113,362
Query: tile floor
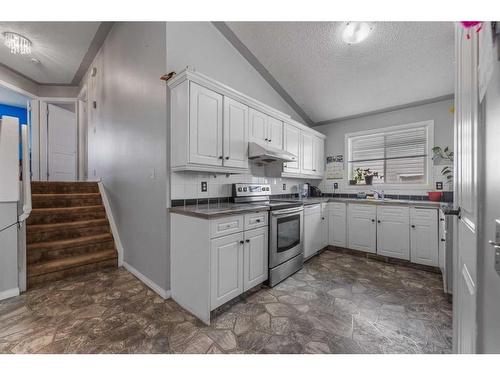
x,y
338,303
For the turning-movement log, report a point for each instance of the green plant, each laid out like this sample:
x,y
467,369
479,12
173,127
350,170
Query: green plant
x,y
359,174
447,155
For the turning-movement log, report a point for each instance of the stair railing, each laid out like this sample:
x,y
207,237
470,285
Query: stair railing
x,y
26,185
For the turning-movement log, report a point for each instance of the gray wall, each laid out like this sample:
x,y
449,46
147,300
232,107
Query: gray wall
x,y
201,46
131,141
489,280
335,132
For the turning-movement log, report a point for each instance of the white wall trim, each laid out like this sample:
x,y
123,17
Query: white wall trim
x,y
112,223
165,294
9,293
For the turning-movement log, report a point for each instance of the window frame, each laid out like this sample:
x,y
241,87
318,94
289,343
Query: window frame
x,y
428,124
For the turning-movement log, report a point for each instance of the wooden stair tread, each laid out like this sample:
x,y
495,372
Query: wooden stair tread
x,y
64,195
35,228
72,242
57,210
75,261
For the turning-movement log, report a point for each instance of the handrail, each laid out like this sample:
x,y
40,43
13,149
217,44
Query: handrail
x,y
26,174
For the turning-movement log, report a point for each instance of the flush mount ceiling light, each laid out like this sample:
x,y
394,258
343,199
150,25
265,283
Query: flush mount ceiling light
x,y
18,44
356,32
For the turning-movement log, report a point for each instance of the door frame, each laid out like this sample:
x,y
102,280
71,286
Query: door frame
x,y
44,131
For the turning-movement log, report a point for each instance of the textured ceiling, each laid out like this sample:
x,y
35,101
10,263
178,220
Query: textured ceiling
x,y
10,97
60,47
399,63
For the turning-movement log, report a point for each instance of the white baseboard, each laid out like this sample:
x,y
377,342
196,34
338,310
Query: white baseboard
x,y
155,287
112,223
10,293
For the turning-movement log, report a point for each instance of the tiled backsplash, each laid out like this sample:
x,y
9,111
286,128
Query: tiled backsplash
x,y
187,185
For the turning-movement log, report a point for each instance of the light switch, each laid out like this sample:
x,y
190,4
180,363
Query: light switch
x,y
284,186
203,186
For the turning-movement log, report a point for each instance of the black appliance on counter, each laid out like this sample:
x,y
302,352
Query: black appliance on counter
x,y
314,191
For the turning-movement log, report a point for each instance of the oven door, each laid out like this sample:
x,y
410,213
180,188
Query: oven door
x,y
286,235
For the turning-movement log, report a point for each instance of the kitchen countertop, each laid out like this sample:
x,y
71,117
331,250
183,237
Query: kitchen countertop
x,y
422,204
215,210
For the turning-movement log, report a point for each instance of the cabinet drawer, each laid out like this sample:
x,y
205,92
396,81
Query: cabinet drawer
x,y
256,220
226,225
335,206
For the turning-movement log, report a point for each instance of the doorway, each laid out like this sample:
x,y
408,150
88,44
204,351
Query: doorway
x,y
62,156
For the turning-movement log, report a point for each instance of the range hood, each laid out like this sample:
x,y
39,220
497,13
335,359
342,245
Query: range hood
x,y
264,153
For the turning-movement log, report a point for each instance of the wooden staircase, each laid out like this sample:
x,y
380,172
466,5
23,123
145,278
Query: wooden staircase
x,y
67,232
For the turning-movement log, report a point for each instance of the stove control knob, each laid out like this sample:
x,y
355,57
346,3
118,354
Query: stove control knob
x,y
239,189
244,189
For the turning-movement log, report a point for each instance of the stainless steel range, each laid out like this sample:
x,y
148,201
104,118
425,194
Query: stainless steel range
x,y
286,228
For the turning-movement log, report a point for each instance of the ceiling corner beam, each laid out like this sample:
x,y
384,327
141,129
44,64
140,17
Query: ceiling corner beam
x,y
257,65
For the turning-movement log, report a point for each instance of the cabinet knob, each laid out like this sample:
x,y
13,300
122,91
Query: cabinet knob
x,y
378,221
373,220
221,157
443,240
258,220
413,226
247,240
267,140
242,242
314,170
322,218
227,157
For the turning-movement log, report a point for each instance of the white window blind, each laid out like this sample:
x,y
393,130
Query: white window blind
x,y
398,154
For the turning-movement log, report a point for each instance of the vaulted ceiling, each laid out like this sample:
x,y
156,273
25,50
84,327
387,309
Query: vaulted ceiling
x,y
399,63
59,47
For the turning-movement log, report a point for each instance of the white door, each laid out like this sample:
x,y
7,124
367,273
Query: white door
x,y
62,147
319,156
424,236
235,134
226,268
258,126
275,132
312,230
205,126
337,223
362,227
393,232
255,257
466,192
291,143
307,157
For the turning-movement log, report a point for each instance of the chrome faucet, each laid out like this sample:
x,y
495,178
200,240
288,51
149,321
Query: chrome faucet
x,y
380,193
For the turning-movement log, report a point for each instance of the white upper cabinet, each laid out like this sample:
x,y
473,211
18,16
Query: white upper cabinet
x,y
258,126
307,157
205,126
362,227
424,241
291,143
265,128
235,134
393,231
275,132
319,156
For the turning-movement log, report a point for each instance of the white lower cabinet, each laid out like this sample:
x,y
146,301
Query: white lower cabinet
x,y
312,230
362,227
324,225
337,224
255,257
226,265
393,231
424,236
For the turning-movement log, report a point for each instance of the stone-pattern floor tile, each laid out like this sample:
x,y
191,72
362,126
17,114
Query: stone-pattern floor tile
x,y
338,303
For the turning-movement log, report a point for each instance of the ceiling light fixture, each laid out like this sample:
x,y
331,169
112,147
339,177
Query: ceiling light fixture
x,y
356,32
18,44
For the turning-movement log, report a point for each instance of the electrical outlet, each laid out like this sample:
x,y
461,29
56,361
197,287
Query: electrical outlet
x,y
439,185
204,186
284,186
335,185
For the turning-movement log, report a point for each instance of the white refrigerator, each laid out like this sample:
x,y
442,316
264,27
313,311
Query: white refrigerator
x,y
15,206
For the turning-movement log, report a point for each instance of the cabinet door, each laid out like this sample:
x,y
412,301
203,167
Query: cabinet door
x,y
235,134
291,143
275,132
312,230
362,228
307,157
337,223
205,126
319,156
258,126
255,258
324,225
424,236
393,232
226,268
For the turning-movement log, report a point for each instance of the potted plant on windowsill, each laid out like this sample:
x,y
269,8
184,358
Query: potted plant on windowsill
x,y
358,176
444,156
368,175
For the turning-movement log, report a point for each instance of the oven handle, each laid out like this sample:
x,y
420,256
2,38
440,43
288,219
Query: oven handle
x,y
286,212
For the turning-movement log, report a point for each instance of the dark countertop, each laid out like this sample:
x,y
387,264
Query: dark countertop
x,y
399,202
215,210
